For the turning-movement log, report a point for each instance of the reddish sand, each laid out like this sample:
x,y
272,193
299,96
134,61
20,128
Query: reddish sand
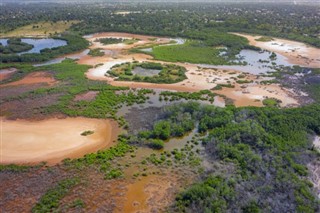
x,y
253,95
6,73
88,96
296,52
52,140
33,78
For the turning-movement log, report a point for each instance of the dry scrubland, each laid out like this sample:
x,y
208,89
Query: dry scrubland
x,y
40,29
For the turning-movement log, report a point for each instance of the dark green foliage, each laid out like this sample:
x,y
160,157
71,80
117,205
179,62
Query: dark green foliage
x,y
205,95
86,133
156,144
212,195
258,141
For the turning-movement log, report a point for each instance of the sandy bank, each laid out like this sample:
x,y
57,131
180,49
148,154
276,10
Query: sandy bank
x,y
33,78
52,140
296,52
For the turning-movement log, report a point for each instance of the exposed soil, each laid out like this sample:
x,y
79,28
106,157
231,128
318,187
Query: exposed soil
x,y
53,140
7,73
198,78
142,119
296,52
88,96
13,91
33,78
28,108
253,95
20,191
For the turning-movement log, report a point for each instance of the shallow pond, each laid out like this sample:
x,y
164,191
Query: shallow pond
x,y
154,101
39,44
257,62
60,59
145,72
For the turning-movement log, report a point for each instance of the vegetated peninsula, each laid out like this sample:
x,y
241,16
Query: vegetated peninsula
x,y
159,106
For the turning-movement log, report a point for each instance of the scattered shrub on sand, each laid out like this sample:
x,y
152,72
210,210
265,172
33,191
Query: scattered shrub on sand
x,y
86,133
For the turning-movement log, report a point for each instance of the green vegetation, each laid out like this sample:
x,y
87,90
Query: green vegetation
x,y
105,105
264,39
49,202
220,86
107,41
156,144
273,56
191,51
96,52
244,81
212,195
255,141
19,168
42,28
204,95
167,73
271,102
15,45
86,133
75,43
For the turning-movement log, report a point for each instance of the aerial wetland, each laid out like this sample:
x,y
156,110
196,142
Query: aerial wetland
x,y
104,119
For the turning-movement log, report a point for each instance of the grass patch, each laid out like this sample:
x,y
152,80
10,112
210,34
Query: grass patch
x,y
40,29
49,202
96,52
264,39
271,102
191,51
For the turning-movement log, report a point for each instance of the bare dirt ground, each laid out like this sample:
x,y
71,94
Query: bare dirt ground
x,y
197,78
28,108
88,96
6,73
33,78
53,140
20,191
296,52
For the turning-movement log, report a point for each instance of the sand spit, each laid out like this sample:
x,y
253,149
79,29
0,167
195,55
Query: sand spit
x,y
52,140
33,78
296,52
